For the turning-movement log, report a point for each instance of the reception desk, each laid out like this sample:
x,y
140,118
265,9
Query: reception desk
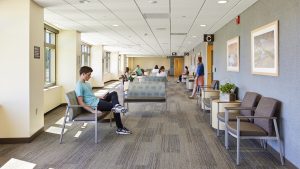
x,y
219,106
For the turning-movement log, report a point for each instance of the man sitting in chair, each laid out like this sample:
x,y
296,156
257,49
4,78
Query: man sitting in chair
x,y
110,102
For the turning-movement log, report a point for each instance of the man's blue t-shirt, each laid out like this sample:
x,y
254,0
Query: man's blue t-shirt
x,y
85,90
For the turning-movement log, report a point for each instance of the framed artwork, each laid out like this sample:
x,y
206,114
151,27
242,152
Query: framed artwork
x,y
264,50
233,54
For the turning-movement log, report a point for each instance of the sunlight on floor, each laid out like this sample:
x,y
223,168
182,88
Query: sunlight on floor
x,y
55,130
18,164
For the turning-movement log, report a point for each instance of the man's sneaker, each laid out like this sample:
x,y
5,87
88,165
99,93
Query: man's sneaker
x,y
119,109
121,131
126,130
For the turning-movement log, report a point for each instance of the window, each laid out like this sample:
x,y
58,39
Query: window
x,y
85,54
106,62
50,56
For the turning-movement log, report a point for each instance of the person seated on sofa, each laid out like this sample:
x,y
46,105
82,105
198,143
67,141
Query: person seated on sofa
x,y
109,102
161,72
138,71
155,70
185,73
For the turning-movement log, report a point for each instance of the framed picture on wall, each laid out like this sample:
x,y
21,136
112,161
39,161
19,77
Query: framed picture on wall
x,y
233,54
264,50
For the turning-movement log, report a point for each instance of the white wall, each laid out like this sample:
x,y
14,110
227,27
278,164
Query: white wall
x,y
20,87
52,97
36,68
68,60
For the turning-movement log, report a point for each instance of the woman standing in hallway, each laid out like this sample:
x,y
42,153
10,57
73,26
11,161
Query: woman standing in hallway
x,y
199,79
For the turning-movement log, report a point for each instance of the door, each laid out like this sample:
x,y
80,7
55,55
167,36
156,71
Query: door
x,y
178,66
209,63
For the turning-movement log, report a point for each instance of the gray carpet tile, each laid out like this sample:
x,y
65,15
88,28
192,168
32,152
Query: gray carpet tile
x,y
174,138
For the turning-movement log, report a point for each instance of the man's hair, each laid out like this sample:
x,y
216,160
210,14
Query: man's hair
x,y
85,69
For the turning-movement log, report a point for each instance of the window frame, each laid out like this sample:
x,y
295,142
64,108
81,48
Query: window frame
x,y
85,53
50,45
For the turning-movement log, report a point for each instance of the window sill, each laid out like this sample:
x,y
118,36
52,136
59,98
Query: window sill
x,y
51,88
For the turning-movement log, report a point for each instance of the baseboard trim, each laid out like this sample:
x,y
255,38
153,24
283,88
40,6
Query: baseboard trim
x,y
62,104
276,154
21,140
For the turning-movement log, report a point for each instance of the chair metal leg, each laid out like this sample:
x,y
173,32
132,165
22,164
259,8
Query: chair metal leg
x,y
96,127
218,129
64,125
226,137
110,119
238,151
279,141
238,143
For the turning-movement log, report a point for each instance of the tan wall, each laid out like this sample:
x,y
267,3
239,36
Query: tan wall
x,y
149,62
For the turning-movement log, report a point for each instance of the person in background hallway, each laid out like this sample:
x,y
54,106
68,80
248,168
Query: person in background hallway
x,y
138,70
110,102
199,79
126,75
155,70
161,72
185,73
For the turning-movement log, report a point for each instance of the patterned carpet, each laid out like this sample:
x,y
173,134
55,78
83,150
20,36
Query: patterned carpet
x,y
177,138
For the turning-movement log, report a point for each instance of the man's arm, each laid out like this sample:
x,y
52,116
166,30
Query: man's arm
x,y
81,103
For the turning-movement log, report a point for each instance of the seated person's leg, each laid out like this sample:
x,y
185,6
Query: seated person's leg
x,y
179,78
107,106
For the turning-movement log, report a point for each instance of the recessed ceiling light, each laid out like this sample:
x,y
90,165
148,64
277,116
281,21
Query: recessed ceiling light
x,y
222,2
203,25
84,1
194,36
152,2
115,25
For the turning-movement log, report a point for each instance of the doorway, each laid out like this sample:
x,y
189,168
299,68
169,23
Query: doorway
x,y
178,66
209,63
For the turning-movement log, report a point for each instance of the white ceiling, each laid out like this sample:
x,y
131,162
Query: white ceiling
x,y
145,28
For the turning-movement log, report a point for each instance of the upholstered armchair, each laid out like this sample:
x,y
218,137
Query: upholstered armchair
x,y
259,126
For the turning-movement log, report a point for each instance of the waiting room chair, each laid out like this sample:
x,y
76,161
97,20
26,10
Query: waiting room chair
x,y
262,127
214,85
77,113
249,101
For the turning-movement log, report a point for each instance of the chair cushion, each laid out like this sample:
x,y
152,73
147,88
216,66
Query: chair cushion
x,y
232,116
87,116
246,129
250,100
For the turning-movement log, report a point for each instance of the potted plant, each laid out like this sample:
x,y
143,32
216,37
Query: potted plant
x,y
227,92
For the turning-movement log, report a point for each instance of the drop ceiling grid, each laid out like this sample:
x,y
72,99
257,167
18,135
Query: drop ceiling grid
x,y
135,23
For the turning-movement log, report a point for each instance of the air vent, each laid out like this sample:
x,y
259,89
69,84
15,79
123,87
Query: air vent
x,y
184,34
156,15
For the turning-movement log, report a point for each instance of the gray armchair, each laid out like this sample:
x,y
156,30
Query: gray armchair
x,y
263,125
77,113
214,86
249,101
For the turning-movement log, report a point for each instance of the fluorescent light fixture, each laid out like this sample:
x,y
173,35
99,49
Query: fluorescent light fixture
x,y
202,25
222,2
115,25
84,1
